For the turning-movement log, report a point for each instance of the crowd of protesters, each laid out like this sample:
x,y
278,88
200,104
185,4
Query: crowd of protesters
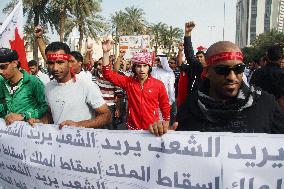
x,y
212,91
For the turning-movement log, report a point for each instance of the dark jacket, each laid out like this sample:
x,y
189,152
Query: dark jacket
x,y
270,78
193,67
264,116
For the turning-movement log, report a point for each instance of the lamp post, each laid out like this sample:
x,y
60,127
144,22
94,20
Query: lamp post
x,y
224,20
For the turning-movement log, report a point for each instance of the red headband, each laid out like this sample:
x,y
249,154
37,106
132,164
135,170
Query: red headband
x,y
54,57
224,56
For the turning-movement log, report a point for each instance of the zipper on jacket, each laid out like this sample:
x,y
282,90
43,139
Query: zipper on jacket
x,y
142,86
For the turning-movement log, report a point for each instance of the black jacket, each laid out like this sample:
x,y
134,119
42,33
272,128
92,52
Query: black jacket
x,y
193,67
270,78
264,116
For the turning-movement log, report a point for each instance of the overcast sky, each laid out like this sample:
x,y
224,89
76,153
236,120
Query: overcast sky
x,y
208,15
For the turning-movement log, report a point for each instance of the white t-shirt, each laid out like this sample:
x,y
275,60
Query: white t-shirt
x,y
43,77
85,75
73,100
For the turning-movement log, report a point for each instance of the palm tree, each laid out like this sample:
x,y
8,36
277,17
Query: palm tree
x,y
135,21
60,9
170,38
29,36
156,31
90,26
118,20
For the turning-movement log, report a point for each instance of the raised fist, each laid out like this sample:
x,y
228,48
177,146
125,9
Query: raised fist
x,y
189,27
107,44
38,31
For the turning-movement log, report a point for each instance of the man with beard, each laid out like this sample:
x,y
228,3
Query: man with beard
x,y
21,94
145,93
224,103
72,102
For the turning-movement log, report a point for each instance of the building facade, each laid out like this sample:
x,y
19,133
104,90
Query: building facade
x,y
254,17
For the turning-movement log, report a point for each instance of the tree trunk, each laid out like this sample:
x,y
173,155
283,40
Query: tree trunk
x,y
156,47
116,41
80,38
36,23
62,22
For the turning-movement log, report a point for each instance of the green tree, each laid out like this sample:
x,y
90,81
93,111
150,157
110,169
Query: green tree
x,y
135,21
61,10
265,40
170,37
156,31
118,20
129,22
86,19
261,44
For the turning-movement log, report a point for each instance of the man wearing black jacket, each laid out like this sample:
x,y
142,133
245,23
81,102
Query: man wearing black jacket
x,y
224,103
270,78
193,67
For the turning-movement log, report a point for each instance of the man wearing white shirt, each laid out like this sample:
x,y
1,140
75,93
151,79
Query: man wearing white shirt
x,y
72,101
34,69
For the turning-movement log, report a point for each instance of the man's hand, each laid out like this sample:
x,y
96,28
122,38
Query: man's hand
x,y
11,117
38,31
180,46
174,126
159,128
107,44
188,28
69,123
32,121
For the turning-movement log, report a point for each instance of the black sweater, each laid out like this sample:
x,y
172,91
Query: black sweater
x,y
264,116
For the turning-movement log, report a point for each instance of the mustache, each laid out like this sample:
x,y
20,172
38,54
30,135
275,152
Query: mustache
x,y
232,82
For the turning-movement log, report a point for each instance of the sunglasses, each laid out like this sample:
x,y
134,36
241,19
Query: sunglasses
x,y
225,70
4,66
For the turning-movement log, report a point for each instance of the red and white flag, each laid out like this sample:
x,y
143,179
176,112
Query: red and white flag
x,y
11,33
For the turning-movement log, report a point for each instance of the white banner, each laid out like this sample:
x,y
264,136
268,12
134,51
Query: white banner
x,y
134,44
45,157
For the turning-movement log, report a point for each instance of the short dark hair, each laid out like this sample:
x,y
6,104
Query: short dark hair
x,y
134,66
55,46
275,53
256,59
200,52
32,63
77,55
